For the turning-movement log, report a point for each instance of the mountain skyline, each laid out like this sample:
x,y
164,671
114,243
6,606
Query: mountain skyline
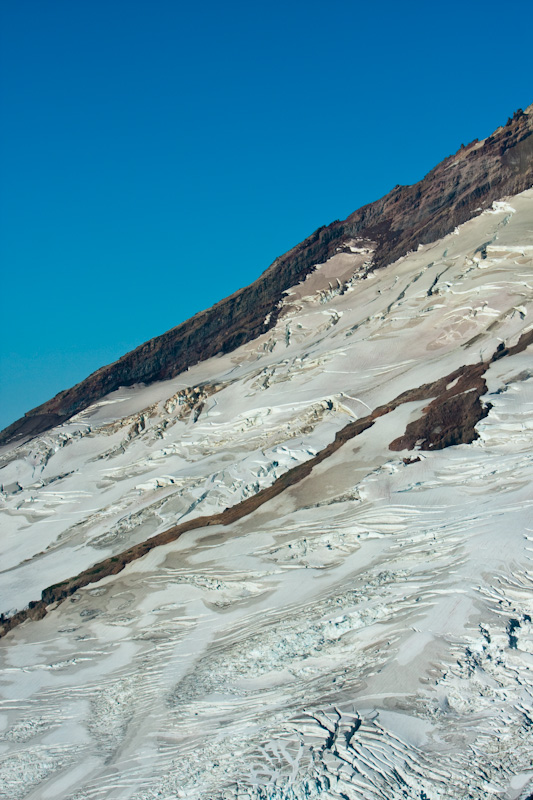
x,y
207,142
458,188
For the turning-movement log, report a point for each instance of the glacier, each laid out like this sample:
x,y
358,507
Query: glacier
x,y
364,633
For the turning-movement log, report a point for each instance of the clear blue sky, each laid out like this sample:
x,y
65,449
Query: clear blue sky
x,y
157,156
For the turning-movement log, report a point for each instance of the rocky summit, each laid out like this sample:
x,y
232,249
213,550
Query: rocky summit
x,y
284,550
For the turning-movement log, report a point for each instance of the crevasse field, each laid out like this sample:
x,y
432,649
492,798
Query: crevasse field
x,y
367,633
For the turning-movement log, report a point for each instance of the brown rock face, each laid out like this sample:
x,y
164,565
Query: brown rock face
x,y
452,416
457,189
456,408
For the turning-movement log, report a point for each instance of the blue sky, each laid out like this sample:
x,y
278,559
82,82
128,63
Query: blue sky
x,y
155,157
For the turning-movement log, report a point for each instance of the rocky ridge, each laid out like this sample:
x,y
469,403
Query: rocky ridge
x,y
459,188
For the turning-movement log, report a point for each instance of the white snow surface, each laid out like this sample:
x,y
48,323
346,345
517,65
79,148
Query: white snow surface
x,y
366,634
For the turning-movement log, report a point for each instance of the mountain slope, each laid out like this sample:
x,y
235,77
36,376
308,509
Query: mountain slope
x,y
317,554
457,189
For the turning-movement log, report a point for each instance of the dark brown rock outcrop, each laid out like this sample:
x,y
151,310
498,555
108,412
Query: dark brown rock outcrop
x,y
457,189
452,416
456,407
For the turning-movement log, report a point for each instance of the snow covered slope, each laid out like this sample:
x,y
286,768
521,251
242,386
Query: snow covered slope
x,y
367,631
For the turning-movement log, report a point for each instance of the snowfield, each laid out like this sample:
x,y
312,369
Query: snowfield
x,y
365,634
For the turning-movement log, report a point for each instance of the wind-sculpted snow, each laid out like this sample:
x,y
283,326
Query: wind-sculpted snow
x,y
367,632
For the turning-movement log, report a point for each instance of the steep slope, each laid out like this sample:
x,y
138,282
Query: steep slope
x,y
363,633
456,190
